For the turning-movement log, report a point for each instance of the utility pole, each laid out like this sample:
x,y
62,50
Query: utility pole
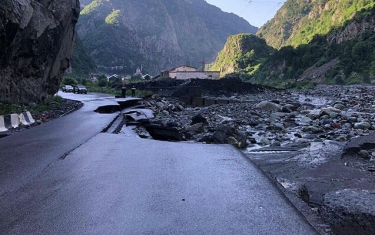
x,y
203,64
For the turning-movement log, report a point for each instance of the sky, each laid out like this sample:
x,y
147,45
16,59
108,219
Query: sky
x,y
256,12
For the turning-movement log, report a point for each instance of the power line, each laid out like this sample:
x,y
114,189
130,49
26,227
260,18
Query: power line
x,y
263,3
270,12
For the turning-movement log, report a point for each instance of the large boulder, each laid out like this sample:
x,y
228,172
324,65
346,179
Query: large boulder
x,y
36,44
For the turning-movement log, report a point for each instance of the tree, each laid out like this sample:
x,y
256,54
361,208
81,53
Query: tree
x,y
102,81
114,81
136,77
359,50
84,81
69,81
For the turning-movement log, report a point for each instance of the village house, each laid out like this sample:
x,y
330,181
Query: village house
x,y
111,78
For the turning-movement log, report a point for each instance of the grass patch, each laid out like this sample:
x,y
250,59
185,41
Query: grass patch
x,y
8,108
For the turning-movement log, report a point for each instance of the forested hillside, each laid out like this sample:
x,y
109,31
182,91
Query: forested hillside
x,y
341,51
122,35
82,63
298,21
346,55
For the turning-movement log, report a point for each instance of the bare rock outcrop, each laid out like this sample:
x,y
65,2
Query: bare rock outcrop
x,y
352,30
36,43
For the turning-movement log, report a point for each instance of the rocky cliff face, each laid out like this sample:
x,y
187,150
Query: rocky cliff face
x,y
121,35
353,30
36,42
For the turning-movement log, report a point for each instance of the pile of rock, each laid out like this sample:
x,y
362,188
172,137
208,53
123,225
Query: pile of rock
x,y
328,113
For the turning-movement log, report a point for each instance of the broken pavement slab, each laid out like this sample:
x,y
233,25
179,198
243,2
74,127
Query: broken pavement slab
x,y
139,114
355,145
350,210
127,102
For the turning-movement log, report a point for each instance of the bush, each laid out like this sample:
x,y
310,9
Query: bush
x,y
339,80
366,79
102,81
57,99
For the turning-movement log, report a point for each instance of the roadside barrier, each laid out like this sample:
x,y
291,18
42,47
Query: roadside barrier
x,y
2,124
26,118
10,121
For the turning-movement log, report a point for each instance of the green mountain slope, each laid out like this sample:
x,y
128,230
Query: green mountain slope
x,y
82,63
122,35
344,55
242,53
298,21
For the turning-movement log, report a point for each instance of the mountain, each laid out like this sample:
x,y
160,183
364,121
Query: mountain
x,y
345,55
313,45
298,21
82,63
122,35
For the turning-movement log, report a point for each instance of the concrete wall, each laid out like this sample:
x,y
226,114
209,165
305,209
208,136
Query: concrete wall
x,y
184,75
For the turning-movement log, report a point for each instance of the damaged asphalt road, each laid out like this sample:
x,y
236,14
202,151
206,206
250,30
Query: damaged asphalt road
x,y
117,184
317,145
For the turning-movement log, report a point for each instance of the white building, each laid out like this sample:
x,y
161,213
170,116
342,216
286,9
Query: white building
x,y
183,68
111,77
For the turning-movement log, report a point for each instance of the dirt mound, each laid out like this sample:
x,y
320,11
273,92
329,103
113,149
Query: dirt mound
x,y
214,88
226,87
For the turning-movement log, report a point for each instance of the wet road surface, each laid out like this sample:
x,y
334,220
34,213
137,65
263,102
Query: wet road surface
x,y
25,154
114,184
